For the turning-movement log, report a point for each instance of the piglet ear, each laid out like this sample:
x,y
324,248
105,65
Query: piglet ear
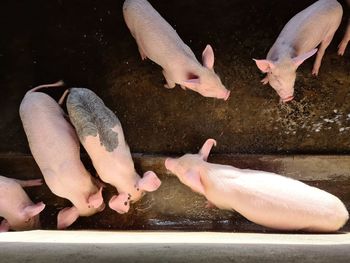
x,y
208,57
4,226
149,182
264,65
96,200
301,58
206,148
66,217
120,203
33,210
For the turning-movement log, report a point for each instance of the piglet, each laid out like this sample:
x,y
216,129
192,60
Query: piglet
x,y
55,147
18,211
101,134
297,42
265,198
158,41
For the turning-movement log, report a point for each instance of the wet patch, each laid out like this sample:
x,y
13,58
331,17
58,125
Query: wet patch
x,y
91,117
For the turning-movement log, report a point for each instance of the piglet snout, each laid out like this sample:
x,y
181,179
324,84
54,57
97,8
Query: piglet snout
x,y
224,95
169,164
227,95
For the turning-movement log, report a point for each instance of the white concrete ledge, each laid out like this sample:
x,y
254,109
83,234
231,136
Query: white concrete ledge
x,y
100,237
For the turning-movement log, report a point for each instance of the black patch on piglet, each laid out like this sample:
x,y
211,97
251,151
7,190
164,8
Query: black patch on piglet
x,y
90,117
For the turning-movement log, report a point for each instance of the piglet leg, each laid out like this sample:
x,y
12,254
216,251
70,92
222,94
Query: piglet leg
x,y
170,84
142,53
29,183
320,54
343,44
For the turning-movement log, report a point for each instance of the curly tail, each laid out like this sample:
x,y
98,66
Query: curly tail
x,y
56,84
60,102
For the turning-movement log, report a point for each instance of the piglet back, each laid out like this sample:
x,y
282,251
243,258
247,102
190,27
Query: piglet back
x,y
91,117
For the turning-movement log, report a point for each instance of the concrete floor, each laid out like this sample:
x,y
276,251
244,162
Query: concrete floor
x,y
72,246
174,206
87,44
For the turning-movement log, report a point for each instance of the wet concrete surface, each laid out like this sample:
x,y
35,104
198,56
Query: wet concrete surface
x,y
174,206
87,44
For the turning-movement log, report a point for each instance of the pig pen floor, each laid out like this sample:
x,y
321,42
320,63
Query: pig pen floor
x,y
174,206
87,44
83,246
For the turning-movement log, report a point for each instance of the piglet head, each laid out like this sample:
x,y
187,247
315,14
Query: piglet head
x,y
148,183
94,204
28,219
187,168
282,74
207,83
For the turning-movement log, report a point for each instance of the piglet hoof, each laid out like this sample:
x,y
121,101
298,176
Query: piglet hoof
x,y
168,87
149,182
209,205
120,203
315,72
341,49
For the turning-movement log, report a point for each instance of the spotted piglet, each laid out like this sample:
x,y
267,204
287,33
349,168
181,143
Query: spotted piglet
x,y
267,199
56,149
18,211
101,134
158,41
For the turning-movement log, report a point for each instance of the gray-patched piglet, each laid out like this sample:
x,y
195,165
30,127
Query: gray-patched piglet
x,y
55,148
18,211
298,40
158,41
101,134
265,198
